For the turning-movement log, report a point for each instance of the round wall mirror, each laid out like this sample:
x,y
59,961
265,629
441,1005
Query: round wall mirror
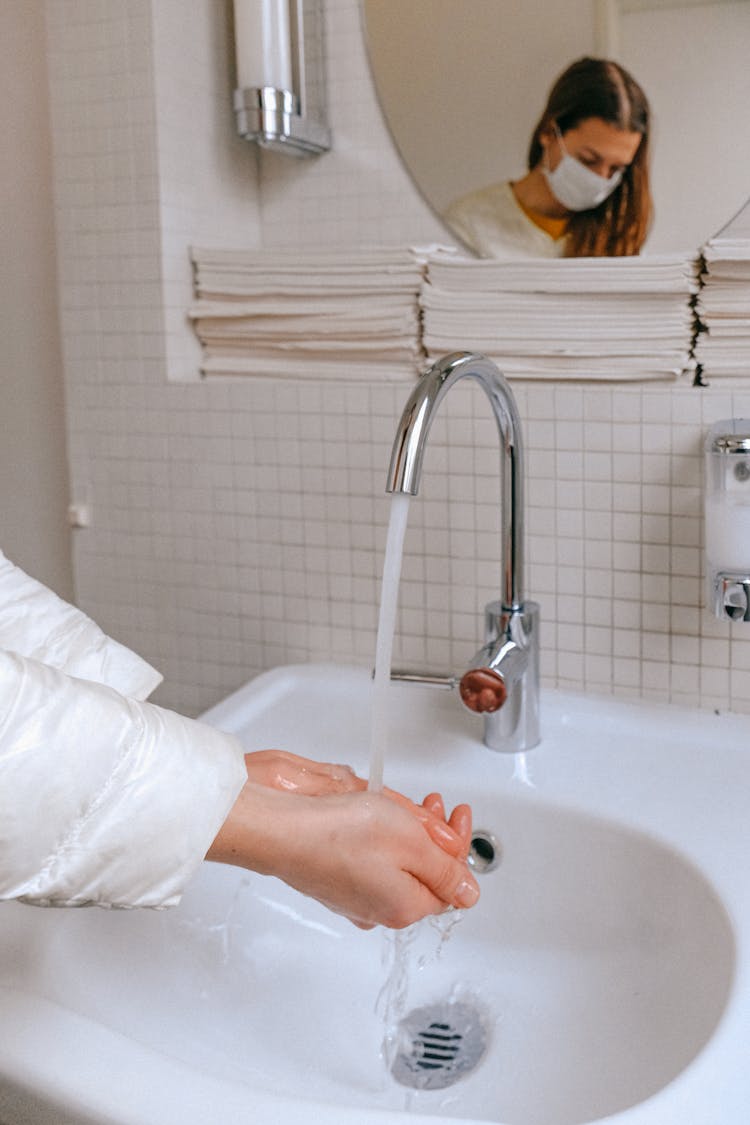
x,y
463,82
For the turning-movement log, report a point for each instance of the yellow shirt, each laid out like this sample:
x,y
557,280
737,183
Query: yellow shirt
x,y
555,228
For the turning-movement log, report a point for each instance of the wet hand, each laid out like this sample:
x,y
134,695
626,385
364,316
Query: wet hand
x,y
295,774
292,773
361,854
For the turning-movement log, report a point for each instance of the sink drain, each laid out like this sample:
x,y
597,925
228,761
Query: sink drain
x,y
485,852
438,1045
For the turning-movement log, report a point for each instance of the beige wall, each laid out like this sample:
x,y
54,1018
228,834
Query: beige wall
x,y
33,470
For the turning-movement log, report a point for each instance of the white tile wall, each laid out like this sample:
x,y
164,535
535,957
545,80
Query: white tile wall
x,y
239,525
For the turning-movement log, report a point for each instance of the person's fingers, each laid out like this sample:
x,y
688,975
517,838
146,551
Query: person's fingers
x,y
281,769
443,835
433,802
417,897
338,779
436,827
447,879
460,822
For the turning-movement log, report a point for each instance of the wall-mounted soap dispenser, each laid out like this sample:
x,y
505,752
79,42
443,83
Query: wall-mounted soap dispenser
x,y
728,518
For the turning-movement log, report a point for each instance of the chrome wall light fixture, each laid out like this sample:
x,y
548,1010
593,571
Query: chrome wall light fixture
x,y
280,98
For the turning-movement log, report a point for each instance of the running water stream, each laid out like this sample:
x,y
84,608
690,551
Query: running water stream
x,y
394,550
391,1003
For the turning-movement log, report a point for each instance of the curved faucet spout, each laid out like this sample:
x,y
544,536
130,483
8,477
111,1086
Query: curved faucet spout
x,y
409,445
505,672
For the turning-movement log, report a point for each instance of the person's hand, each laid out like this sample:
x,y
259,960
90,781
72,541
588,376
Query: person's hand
x,y
459,821
294,774
361,854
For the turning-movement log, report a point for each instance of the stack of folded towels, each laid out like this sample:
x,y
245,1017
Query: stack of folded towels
x,y
348,314
565,319
722,349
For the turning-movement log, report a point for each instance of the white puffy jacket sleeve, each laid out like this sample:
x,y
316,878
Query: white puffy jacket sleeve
x,y
104,799
35,622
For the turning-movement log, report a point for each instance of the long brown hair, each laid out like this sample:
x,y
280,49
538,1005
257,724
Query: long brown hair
x,y
602,88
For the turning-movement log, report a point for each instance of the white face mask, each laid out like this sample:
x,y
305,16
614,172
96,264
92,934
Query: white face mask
x,y
576,186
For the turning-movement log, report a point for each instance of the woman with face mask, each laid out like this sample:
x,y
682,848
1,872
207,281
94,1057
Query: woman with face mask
x,y
586,193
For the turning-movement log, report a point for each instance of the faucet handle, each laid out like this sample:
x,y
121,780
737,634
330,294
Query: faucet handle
x,y
482,690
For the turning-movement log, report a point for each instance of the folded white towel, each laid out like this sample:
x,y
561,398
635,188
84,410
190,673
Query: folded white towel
x,y
723,306
379,312
576,276
580,319
324,314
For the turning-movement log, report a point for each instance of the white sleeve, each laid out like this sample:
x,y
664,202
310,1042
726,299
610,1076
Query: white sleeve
x,y
36,623
104,799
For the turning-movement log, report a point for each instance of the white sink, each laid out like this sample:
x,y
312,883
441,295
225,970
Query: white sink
x,y
606,958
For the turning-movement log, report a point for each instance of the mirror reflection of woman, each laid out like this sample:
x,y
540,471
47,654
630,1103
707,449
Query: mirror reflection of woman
x,y
586,193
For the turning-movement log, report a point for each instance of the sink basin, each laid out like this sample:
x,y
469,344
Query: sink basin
x,y
604,962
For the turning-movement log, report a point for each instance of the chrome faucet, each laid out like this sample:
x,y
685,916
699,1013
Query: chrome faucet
x,y
503,680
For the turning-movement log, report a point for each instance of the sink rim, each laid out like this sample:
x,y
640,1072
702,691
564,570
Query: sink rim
x,y
578,778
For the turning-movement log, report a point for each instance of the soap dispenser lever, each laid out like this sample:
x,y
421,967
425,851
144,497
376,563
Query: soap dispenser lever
x,y
727,522
732,596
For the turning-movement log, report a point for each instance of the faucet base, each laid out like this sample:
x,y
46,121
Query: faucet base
x,y
515,726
